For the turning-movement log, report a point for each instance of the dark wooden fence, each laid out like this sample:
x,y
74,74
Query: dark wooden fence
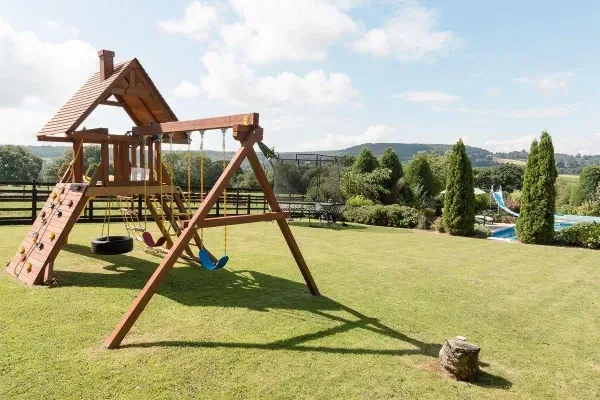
x,y
20,203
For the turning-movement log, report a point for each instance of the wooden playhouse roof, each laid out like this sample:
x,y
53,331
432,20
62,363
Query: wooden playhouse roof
x,y
133,90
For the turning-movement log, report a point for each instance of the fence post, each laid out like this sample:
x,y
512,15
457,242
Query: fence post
x,y
91,211
33,201
218,205
237,201
249,205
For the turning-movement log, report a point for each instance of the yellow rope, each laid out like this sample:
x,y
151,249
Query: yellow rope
x,y
224,195
202,180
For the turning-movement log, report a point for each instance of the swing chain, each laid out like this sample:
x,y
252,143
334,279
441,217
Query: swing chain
x,y
224,130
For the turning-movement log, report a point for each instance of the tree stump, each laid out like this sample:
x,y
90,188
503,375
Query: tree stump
x,y
460,358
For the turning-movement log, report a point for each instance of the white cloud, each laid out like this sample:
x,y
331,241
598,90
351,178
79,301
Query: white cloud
x,y
428,97
411,35
198,21
548,84
358,106
544,112
52,72
51,24
185,90
373,134
516,144
495,91
228,79
273,30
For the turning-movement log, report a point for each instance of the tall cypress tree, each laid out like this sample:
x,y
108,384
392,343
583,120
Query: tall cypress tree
x,y
459,202
546,190
526,222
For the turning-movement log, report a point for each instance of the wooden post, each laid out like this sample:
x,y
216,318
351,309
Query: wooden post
x,y
91,210
48,273
78,161
116,162
237,201
133,155
33,201
178,247
283,225
104,163
151,159
249,204
125,170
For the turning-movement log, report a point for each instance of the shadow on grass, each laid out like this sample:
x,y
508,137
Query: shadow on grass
x,y
314,223
194,286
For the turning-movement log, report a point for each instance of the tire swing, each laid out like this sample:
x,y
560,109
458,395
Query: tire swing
x,y
111,245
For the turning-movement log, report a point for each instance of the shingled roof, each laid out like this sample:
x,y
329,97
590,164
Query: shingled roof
x,y
130,85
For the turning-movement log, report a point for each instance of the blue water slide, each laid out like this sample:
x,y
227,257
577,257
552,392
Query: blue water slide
x,y
499,198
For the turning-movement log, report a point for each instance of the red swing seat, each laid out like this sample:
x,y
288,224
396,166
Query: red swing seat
x,y
147,236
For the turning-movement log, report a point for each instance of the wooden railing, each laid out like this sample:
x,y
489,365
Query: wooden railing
x,y
21,201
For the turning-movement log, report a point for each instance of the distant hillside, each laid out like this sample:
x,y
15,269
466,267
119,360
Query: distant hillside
x,y
47,152
406,151
566,163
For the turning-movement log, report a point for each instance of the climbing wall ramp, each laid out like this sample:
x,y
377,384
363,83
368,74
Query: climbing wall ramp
x,y
48,233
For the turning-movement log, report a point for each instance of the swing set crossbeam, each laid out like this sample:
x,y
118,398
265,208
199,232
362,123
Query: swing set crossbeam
x,y
203,124
237,220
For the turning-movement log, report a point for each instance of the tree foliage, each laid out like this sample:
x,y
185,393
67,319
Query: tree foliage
x,y
365,162
588,182
538,199
419,174
390,160
509,176
459,201
17,163
370,185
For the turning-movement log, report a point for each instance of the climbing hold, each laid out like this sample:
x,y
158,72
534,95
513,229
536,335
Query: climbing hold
x,y
21,249
43,214
34,235
59,213
40,245
70,203
52,205
23,257
28,266
44,221
78,187
52,235
54,195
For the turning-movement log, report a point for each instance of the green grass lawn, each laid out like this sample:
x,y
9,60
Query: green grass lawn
x,y
390,298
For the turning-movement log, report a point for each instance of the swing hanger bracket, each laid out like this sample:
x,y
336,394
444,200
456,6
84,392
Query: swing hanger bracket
x,y
243,132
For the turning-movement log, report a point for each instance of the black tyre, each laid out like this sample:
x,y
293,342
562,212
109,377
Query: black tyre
x,y
111,245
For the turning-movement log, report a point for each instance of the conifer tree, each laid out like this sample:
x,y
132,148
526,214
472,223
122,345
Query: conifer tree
x,y
459,201
390,160
366,162
546,190
526,222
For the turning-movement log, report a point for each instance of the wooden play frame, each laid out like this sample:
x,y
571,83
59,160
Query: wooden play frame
x,y
135,93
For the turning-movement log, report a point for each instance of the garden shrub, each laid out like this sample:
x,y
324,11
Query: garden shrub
x,y
359,201
438,225
481,231
581,235
459,201
482,202
392,215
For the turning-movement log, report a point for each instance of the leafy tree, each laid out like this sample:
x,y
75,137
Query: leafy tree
x,y
17,163
588,182
370,185
390,160
366,162
509,176
538,200
459,201
247,179
439,165
419,173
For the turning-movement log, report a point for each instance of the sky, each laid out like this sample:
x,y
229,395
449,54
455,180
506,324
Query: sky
x,y
323,74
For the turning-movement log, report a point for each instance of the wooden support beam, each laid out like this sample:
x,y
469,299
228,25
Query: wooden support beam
x,y
55,139
178,247
125,190
151,160
242,132
116,162
283,225
133,156
197,124
78,161
132,91
104,162
238,219
89,133
112,103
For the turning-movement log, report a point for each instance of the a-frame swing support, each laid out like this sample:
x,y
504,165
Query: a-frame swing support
x,y
248,134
